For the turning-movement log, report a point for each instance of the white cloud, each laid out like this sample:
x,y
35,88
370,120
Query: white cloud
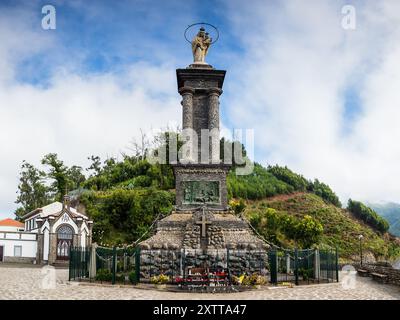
x,y
298,64
288,85
76,115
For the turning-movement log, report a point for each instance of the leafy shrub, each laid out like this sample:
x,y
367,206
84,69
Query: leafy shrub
x,y
128,212
308,231
257,185
103,275
237,205
272,224
132,277
306,273
325,192
298,182
368,215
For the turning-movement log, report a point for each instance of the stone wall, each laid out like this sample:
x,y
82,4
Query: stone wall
x,y
383,268
173,262
19,260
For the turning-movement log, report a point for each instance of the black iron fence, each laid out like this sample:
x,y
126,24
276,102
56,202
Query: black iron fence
x,y
115,265
303,266
132,265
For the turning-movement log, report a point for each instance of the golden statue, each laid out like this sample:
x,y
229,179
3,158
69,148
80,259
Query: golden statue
x,y
200,45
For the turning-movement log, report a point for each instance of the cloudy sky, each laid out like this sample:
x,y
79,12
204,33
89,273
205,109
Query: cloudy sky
x,y
322,99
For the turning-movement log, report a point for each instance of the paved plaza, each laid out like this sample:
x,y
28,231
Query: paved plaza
x,y
33,283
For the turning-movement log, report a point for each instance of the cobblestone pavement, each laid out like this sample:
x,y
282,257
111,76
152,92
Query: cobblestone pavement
x,y
30,283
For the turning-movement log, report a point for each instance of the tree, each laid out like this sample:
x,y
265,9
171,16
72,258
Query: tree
x,y
140,148
297,181
75,177
95,167
32,191
325,192
58,172
369,216
308,231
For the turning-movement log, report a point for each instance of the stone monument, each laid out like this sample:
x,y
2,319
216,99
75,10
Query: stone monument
x,y
202,219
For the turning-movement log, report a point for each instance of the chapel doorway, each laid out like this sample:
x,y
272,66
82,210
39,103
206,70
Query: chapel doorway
x,y
1,253
64,242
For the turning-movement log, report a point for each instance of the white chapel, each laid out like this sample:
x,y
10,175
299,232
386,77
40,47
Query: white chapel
x,y
47,235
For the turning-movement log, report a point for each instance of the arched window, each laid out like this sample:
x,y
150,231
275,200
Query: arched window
x,y
64,241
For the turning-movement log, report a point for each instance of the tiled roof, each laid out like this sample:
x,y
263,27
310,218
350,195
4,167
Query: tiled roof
x,y
11,223
53,209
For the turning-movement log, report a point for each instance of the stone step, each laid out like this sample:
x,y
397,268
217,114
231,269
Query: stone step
x,y
61,264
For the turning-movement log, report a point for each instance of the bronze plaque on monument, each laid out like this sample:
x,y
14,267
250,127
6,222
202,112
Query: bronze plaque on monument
x,y
198,192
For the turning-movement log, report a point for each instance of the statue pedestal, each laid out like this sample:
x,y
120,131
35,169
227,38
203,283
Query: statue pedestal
x,y
200,65
197,184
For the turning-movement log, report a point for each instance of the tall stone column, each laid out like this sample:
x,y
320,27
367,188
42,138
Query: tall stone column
x,y
187,107
187,119
89,236
40,242
213,123
52,241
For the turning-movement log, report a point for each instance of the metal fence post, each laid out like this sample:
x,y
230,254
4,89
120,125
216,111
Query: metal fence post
x,y
296,267
317,265
70,264
227,265
137,265
337,265
273,266
113,267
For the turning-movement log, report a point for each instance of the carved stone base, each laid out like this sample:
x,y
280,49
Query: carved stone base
x,y
200,65
182,231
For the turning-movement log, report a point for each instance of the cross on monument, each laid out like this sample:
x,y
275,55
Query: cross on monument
x,y
203,222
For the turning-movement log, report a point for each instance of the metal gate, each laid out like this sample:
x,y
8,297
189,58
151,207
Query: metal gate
x,y
303,266
115,265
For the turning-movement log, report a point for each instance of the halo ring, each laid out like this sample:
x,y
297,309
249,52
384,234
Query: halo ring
x,y
201,23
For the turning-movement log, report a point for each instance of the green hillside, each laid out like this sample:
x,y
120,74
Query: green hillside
x,y
340,228
391,212
124,197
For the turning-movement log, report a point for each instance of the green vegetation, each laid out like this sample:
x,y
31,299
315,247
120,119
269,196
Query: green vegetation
x,y
257,185
122,216
273,181
340,228
280,226
298,182
124,197
132,277
103,275
368,215
391,212
325,192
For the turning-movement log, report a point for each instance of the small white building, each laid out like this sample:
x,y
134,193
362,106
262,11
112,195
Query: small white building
x,y
46,235
16,245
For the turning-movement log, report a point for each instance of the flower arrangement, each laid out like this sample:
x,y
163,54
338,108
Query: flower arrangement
x,y
160,279
252,280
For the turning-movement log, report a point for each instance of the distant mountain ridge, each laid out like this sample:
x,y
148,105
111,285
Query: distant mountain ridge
x,y
391,212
